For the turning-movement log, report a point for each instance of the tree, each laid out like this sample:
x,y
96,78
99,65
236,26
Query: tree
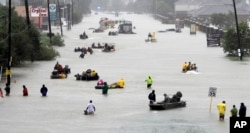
x,y
230,43
223,20
25,44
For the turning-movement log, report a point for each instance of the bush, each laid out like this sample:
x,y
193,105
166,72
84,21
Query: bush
x,y
57,40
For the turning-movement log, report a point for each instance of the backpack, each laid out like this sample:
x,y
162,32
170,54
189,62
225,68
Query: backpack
x,y
150,96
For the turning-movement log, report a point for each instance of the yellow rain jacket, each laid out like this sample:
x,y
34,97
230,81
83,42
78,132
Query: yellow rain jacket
x,y
221,108
121,83
184,67
153,36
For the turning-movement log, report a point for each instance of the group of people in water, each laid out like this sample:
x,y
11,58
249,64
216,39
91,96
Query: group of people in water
x,y
234,111
25,91
189,66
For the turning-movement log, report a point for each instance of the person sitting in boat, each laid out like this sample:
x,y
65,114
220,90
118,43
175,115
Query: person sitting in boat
x,y
78,76
84,35
166,99
184,67
149,36
194,67
153,36
66,69
93,73
99,45
189,66
60,68
100,82
106,46
90,50
56,65
176,97
84,50
93,45
121,83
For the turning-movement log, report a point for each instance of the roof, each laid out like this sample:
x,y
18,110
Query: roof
x,y
213,9
189,2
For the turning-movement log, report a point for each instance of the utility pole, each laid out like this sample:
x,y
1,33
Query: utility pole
x,y
238,33
27,13
60,20
8,71
68,16
72,11
50,34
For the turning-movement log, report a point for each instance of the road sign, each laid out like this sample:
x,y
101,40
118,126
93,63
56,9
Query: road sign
x,y
52,10
52,7
38,12
212,91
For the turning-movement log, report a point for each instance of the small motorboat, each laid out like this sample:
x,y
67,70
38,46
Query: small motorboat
x,y
150,40
58,76
166,105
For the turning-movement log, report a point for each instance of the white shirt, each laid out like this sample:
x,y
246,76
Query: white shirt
x,y
90,108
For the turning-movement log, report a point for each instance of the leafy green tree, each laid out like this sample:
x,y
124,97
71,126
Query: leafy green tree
x,y
25,41
223,20
230,43
47,52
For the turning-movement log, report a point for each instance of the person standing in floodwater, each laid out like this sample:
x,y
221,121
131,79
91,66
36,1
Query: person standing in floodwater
x,y
25,91
242,110
222,110
149,81
44,90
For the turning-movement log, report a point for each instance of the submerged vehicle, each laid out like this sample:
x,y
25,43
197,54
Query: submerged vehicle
x,y
168,103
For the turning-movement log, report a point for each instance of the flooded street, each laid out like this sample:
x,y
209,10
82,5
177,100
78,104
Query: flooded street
x,y
126,110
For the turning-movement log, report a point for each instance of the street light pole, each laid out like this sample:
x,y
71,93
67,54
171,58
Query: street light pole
x,y
238,33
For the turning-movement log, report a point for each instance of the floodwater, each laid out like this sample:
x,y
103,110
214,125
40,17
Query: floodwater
x,y
126,110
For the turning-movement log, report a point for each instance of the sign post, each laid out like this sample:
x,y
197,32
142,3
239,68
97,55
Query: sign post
x,y
211,93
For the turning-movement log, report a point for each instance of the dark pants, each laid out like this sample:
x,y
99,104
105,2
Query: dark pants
x,y
149,86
